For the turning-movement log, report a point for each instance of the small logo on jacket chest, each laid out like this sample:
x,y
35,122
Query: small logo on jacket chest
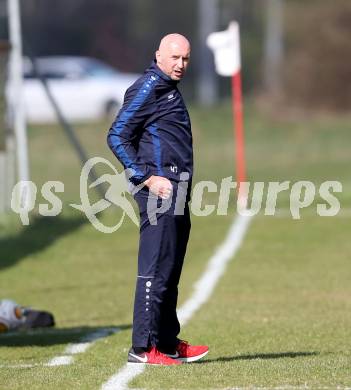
x,y
171,97
174,168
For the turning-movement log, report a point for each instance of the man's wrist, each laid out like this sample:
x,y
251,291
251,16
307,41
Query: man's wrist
x,y
148,180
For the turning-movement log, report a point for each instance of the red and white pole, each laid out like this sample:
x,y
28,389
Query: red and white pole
x,y
226,48
238,128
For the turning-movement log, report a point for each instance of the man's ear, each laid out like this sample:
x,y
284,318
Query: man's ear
x,y
158,56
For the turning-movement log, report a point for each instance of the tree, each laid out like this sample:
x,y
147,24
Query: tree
x,y
317,66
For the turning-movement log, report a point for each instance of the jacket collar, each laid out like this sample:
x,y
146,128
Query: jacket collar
x,y
154,68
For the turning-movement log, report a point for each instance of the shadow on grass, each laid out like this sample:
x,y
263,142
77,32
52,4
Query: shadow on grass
x,y
278,355
40,234
53,336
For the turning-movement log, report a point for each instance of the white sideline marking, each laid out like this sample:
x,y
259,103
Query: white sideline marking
x,y
124,376
203,289
60,361
215,268
72,349
85,343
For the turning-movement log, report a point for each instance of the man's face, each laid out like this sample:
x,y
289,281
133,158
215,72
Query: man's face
x,y
173,58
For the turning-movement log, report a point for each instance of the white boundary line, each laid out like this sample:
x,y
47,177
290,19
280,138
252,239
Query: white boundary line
x,y
72,349
203,290
215,268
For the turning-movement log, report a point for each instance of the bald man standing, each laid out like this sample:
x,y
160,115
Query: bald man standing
x,y
151,137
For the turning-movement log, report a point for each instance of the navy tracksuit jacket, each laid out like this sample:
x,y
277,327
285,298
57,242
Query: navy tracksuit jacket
x,y
152,136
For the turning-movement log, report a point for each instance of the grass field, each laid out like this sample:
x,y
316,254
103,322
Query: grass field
x,y
279,317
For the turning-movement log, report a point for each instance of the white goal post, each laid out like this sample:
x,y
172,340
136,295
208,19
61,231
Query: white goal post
x,y
13,123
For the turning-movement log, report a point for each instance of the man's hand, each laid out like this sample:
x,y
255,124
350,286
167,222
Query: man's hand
x,y
160,186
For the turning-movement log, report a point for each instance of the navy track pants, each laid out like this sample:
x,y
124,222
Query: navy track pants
x,y
162,249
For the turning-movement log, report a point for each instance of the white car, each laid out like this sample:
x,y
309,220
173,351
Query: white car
x,y
85,89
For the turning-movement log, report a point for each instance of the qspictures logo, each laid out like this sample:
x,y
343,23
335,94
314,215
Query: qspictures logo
x,y
252,198
24,195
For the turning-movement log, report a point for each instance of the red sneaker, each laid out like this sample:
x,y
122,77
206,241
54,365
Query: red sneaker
x,y
153,356
189,353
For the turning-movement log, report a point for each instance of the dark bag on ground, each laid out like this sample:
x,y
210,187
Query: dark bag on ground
x,y
16,317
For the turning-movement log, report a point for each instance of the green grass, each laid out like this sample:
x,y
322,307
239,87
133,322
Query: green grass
x,y
280,316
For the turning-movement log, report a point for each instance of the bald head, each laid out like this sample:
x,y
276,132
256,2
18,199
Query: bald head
x,y
173,55
174,40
